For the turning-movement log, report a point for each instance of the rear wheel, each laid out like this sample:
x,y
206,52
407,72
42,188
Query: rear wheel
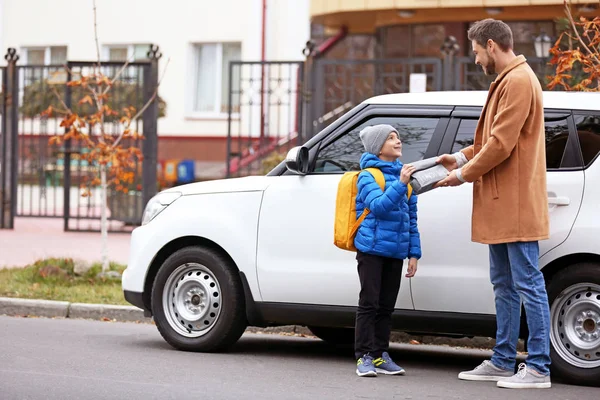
x,y
574,295
198,301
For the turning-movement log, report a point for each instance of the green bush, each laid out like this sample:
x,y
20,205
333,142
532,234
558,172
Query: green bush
x,y
38,96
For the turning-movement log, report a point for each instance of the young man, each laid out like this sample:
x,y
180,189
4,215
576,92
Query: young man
x,y
507,164
387,236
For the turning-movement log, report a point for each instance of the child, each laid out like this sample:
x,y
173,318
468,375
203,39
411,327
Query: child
x,y
387,236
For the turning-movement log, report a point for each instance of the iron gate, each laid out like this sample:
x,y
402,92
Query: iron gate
x,y
265,112
338,85
47,177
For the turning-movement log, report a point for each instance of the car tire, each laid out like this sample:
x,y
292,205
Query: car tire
x,y
205,310
574,296
334,336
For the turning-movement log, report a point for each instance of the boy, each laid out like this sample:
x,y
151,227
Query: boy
x,y
387,236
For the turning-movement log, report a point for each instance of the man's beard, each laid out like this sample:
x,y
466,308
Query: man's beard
x,y
490,68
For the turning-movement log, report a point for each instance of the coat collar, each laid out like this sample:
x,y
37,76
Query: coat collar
x,y
514,64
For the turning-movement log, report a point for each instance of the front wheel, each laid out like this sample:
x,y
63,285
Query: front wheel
x,y
574,295
198,301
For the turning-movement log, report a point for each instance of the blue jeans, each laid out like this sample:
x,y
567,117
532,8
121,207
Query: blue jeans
x,y
515,274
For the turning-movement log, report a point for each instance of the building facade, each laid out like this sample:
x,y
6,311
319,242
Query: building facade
x,y
418,28
199,38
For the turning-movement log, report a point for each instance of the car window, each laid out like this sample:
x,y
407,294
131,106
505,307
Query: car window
x,y
465,135
344,153
557,133
588,130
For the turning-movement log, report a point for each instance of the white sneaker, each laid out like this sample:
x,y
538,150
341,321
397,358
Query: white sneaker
x,y
526,378
485,372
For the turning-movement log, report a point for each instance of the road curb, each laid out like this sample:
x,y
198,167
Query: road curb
x,y
40,308
64,309
100,311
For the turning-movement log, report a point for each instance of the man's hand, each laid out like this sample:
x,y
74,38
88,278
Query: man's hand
x,y
450,180
412,267
407,171
448,161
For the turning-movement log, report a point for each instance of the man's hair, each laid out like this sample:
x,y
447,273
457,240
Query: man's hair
x,y
489,28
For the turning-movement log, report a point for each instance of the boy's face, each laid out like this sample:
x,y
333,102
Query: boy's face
x,y
392,148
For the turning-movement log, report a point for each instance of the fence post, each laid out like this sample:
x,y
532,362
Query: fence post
x,y
67,157
10,136
449,49
150,124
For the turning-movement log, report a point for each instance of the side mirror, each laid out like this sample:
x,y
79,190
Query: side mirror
x,y
297,160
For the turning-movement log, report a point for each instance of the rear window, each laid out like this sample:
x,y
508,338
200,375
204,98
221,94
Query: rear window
x,y
588,130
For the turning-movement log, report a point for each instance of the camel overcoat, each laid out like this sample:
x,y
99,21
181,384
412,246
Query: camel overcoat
x,y
507,162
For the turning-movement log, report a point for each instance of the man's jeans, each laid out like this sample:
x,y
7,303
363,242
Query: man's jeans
x,y
515,275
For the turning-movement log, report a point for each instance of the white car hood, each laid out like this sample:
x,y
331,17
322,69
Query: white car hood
x,y
246,184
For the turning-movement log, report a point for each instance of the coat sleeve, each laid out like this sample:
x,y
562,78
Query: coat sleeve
x,y
414,250
377,201
513,111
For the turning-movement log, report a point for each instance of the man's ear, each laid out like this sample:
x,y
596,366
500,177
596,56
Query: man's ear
x,y
490,44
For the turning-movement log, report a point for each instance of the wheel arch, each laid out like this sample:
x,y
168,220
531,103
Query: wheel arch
x,y
170,248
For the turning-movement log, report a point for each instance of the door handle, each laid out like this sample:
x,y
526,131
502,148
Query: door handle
x,y
559,201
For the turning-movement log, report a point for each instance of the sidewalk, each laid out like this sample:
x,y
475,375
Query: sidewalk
x,y
35,238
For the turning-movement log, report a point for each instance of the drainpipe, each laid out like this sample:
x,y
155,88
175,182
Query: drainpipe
x,y
262,80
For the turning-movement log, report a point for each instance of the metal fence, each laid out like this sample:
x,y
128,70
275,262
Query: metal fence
x,y
265,108
337,85
48,177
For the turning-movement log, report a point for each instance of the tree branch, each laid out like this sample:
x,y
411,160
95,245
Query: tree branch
x,y
96,35
574,26
145,107
117,75
62,102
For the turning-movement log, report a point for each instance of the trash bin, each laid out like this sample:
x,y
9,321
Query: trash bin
x,y
185,171
171,171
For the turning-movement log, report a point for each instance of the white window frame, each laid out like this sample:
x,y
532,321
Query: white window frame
x,y
58,78
130,50
47,53
192,76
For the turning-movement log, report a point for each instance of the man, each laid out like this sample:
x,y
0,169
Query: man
x,y
507,165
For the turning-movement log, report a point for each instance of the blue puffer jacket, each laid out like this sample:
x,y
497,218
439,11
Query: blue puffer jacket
x,y
390,229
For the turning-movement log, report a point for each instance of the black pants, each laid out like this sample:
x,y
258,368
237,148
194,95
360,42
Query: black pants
x,y
379,286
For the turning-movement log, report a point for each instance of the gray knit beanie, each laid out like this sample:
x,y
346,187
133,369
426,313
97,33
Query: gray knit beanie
x,y
374,137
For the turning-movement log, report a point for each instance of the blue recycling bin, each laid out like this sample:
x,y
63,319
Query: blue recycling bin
x,y
185,171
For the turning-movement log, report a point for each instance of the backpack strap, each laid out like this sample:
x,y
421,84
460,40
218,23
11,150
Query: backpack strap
x,y
378,175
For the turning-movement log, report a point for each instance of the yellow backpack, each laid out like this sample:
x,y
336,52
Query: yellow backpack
x,y
346,224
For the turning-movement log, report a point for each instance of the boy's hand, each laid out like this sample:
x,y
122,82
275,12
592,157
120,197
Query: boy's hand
x,y
412,267
407,171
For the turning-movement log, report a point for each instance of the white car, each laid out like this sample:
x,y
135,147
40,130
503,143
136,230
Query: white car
x,y
214,257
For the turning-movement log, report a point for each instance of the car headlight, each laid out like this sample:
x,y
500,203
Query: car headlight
x,y
157,204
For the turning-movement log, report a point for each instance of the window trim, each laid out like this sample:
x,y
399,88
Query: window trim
x,y
578,143
378,111
192,77
572,159
47,53
105,53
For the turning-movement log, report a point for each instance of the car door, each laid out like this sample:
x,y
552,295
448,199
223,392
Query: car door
x,y
455,277
296,260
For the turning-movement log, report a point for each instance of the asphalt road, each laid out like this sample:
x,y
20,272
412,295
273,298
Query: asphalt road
x,y
79,359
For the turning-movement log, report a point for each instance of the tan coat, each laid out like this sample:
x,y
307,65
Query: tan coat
x,y
507,161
